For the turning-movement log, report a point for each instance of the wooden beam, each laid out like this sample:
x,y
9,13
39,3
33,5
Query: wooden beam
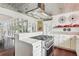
x,y
42,6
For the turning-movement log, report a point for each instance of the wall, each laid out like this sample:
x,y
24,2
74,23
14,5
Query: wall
x,y
20,7
6,5
50,8
59,8
69,7
15,15
53,8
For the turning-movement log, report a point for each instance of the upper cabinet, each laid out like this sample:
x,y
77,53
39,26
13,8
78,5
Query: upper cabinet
x,y
47,25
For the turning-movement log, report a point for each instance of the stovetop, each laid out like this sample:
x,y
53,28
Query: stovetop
x,y
42,37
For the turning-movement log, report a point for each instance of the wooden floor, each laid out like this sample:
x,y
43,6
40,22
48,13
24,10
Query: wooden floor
x,y
55,52
62,52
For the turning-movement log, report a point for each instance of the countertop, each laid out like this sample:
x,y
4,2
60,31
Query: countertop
x,y
26,37
67,33
29,40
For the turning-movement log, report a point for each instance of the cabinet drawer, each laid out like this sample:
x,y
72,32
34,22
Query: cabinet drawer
x,y
37,49
37,43
37,46
37,53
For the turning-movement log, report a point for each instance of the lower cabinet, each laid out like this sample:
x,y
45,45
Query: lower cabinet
x,y
77,46
65,41
70,43
56,40
73,43
37,49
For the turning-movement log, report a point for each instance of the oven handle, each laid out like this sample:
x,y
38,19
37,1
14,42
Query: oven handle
x,y
49,47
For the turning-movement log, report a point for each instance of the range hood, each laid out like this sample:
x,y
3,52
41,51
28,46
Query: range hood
x,y
39,14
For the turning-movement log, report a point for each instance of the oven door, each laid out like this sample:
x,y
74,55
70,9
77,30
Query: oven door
x,y
49,49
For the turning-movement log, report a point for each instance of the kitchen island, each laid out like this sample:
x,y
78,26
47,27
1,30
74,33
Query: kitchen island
x,y
34,44
26,46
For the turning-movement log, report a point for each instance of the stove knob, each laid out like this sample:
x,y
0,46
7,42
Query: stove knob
x,y
69,29
64,29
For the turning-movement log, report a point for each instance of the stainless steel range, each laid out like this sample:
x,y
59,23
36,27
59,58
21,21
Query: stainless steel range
x,y
47,43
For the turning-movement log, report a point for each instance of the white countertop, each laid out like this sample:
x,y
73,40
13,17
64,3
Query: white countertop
x,y
29,40
66,33
25,37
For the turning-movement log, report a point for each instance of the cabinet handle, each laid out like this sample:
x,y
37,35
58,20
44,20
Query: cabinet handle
x,y
37,46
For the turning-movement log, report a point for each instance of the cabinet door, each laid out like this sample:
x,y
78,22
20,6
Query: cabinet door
x,y
61,41
37,49
70,43
47,27
56,40
62,45
30,26
67,43
77,46
73,43
64,41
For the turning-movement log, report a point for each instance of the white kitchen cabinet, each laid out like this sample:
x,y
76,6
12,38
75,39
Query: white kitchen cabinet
x,y
37,49
73,43
77,46
61,41
34,26
70,43
56,40
62,44
47,27
65,41
31,26
67,44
